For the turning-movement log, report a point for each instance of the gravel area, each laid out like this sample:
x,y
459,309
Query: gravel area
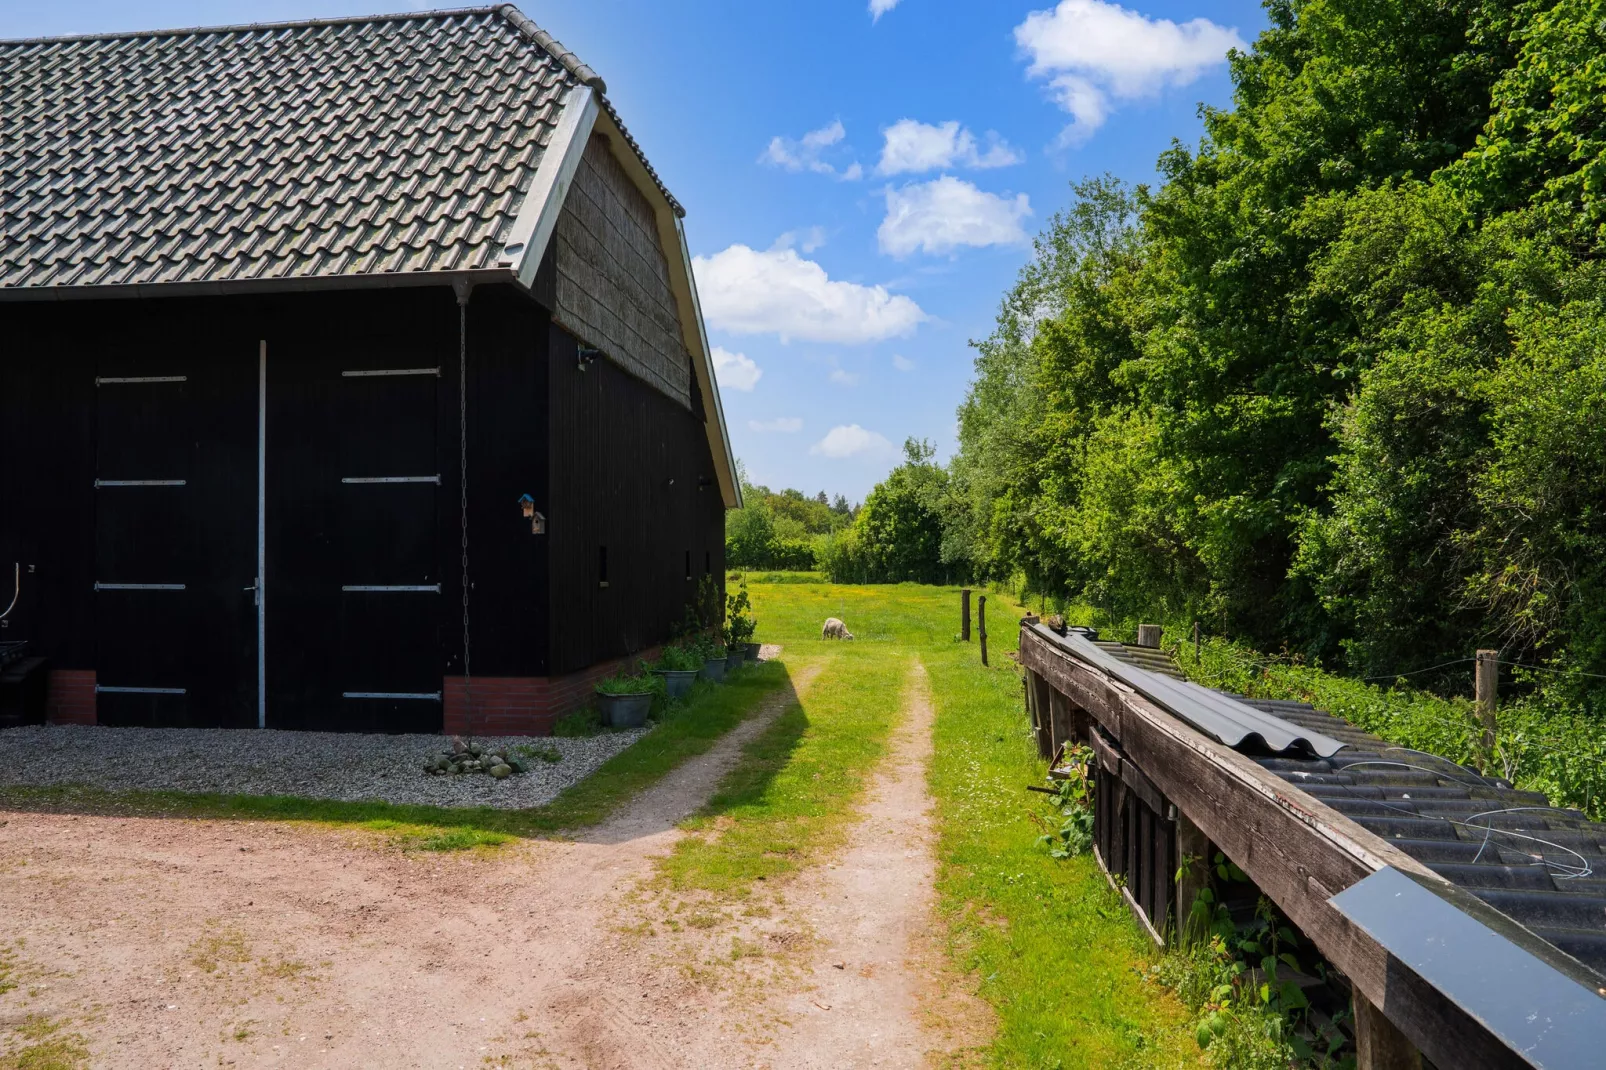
x,y
319,765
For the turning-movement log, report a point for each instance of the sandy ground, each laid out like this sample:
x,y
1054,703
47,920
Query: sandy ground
x,y
177,943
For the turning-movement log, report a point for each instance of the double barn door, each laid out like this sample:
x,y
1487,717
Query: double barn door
x,y
266,520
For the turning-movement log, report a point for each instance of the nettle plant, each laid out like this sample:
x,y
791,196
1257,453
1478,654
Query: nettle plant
x,y
739,622
1073,798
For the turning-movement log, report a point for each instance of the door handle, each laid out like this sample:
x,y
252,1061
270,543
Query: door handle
x,y
256,591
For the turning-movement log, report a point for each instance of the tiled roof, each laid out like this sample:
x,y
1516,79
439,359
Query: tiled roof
x,y
336,150
1542,866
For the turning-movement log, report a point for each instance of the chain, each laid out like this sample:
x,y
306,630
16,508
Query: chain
x,y
462,484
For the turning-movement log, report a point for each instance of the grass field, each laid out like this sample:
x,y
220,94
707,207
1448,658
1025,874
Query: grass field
x,y
1047,943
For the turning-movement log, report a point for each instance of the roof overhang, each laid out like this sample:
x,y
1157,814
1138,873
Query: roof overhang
x,y
584,115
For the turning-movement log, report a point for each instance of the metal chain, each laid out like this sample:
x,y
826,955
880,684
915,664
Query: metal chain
x,y
462,483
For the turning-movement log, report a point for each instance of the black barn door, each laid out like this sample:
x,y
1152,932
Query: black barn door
x,y
175,533
355,592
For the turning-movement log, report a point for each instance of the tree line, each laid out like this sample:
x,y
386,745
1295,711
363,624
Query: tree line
x,y
1336,382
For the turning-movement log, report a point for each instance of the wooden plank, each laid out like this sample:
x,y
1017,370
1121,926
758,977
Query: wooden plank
x,y
1378,1045
1297,850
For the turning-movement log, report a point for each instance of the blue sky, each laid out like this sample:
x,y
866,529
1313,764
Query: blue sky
x,y
861,177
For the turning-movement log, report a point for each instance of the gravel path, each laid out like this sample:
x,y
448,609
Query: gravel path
x,y
318,765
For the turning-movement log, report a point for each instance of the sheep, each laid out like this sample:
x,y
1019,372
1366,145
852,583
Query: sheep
x,y
835,629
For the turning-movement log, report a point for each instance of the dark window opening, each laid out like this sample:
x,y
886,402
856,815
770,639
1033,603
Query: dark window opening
x,y
688,564
708,563
602,566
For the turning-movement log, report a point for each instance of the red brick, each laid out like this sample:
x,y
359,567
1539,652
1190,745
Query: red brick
x,y
70,696
524,705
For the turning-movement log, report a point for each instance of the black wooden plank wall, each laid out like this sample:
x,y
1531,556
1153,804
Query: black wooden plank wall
x,y
630,471
57,436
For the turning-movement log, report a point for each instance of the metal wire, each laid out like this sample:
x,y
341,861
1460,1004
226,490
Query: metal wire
x,y
462,484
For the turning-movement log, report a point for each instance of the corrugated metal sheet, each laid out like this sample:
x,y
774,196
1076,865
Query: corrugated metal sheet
x,y
1219,716
330,149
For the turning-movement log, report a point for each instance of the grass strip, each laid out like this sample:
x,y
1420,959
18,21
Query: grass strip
x,y
1059,955
792,796
687,731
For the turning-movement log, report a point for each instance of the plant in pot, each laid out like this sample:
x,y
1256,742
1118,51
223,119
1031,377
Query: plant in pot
x,y
713,652
678,668
740,626
625,700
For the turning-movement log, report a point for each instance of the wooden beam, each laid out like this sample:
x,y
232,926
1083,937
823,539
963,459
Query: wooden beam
x,y
1378,1045
1296,849
1193,876
964,615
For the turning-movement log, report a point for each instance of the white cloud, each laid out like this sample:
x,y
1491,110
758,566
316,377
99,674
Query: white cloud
x,y
807,153
807,240
941,215
842,378
1091,51
778,292
913,146
902,363
735,370
881,7
851,440
786,425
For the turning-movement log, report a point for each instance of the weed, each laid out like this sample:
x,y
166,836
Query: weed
x,y
220,949
44,1047
545,752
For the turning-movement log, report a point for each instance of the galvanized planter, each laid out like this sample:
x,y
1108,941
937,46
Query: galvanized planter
x,y
713,669
677,682
625,711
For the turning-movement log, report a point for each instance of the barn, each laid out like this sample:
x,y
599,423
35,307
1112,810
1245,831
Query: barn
x,y
352,378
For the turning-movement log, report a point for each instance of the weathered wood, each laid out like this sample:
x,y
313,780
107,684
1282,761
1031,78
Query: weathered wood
x,y
1297,850
1149,636
964,614
1196,642
1378,1044
981,625
1487,687
1193,876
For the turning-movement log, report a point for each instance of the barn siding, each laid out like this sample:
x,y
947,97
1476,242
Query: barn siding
x,y
612,287
48,447
630,470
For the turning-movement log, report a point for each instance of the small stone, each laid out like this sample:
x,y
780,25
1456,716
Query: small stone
x,y
501,771
475,749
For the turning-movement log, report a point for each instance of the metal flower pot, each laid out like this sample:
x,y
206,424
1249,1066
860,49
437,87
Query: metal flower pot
x,y
625,711
713,669
677,682
752,651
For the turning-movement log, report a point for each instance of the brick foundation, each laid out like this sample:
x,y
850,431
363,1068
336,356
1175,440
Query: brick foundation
x,y
70,696
525,705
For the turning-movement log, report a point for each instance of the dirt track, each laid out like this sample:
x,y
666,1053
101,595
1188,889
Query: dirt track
x,y
169,943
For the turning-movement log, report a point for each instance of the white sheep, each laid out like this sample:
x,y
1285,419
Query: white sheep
x,y
835,629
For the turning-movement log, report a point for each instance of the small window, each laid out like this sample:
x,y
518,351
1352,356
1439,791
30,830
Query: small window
x,y
602,566
708,563
688,564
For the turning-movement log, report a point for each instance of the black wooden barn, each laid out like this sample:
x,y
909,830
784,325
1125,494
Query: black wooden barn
x,y
240,272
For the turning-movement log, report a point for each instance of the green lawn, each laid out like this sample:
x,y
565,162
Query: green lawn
x,y
1051,948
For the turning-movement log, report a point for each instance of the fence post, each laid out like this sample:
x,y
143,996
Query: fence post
x,y
1196,642
964,614
1149,636
1486,685
1379,1044
981,625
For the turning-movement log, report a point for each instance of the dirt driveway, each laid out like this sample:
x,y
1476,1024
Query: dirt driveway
x,y
179,943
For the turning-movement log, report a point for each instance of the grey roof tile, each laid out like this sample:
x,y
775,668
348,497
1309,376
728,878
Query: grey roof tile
x,y
328,148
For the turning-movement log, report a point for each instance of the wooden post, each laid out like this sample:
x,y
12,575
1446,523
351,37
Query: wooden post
x,y
1196,642
1149,636
1486,686
964,614
1193,876
1378,1044
981,625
